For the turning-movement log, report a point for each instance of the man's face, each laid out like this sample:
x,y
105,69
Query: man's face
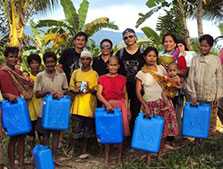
x,y
80,42
12,59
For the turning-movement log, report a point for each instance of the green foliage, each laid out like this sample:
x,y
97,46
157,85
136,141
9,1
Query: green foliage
x,y
207,155
171,22
83,10
75,21
154,6
70,14
153,37
220,26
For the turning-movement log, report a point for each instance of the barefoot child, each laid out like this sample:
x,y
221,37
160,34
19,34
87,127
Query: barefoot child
x,y
83,84
148,80
204,83
112,93
34,62
50,81
12,86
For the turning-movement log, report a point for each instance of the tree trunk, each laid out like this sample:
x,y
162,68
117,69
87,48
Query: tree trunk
x,y
199,16
183,15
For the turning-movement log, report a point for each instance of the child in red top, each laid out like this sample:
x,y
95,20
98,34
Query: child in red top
x,y
112,93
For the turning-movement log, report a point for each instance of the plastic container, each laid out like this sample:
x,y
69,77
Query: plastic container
x,y
109,127
43,157
56,113
196,120
148,133
15,117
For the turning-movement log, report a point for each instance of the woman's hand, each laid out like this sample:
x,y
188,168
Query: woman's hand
x,y
146,110
194,101
109,107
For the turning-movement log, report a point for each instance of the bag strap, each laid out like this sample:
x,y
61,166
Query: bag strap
x,y
16,82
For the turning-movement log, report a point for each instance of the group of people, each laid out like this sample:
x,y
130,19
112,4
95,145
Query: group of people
x,y
133,79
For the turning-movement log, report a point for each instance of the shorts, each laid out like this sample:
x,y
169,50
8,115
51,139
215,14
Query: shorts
x,y
83,127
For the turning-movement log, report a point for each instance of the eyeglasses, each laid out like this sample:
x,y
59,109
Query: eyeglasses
x,y
128,37
106,47
86,58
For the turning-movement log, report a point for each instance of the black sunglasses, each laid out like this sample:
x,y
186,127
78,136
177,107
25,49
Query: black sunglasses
x,y
128,37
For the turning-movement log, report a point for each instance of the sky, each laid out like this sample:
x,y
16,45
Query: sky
x,y
124,13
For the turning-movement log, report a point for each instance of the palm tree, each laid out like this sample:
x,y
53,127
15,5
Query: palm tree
x,y
75,21
18,13
173,21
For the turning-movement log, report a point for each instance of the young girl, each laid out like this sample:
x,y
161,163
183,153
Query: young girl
x,y
83,84
148,79
204,83
34,62
112,93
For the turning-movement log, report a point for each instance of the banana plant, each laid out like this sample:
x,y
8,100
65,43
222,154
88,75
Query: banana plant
x,y
153,37
75,20
18,13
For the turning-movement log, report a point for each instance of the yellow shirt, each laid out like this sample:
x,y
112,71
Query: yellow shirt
x,y
1,98
84,104
34,104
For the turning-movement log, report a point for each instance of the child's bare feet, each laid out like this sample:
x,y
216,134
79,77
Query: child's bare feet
x,y
148,159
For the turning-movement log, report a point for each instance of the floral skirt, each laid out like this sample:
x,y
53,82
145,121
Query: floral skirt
x,y
167,111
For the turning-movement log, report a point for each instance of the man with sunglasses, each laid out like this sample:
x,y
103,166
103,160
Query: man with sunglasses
x,y
100,62
131,61
69,60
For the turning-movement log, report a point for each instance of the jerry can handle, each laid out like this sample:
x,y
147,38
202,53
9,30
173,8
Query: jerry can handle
x,y
111,112
194,105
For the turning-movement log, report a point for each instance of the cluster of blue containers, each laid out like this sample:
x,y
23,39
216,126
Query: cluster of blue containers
x,y
109,128
148,133
196,120
56,113
15,117
43,157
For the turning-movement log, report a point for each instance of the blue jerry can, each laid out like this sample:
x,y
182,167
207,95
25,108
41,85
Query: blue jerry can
x,y
43,157
15,117
196,120
148,133
56,113
109,128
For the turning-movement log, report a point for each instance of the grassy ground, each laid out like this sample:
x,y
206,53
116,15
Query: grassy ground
x,y
206,155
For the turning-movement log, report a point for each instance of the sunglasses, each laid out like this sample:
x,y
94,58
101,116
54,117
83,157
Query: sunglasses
x,y
128,37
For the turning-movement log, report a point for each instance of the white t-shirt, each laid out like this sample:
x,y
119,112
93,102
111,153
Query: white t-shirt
x,y
152,89
189,56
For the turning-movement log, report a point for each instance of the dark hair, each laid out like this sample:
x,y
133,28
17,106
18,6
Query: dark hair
x,y
171,35
184,43
47,55
33,56
128,30
114,57
149,49
106,40
81,34
208,38
14,50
